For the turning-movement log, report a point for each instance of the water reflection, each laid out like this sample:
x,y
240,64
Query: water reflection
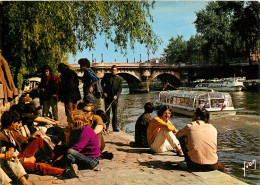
x,y
238,136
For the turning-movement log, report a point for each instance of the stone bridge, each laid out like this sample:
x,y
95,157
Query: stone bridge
x,y
138,76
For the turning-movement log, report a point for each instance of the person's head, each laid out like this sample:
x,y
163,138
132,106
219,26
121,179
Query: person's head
x,y
10,120
114,70
148,107
20,108
84,63
46,70
201,115
165,112
76,119
62,67
103,116
89,109
34,93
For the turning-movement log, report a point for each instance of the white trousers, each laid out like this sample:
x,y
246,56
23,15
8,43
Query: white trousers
x,y
165,141
4,179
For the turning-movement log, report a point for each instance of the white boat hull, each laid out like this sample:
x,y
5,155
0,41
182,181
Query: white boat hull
x,y
212,114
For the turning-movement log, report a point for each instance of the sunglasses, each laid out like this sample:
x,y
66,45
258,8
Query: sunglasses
x,y
87,111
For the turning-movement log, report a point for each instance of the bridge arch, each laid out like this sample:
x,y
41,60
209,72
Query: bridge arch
x,y
168,80
138,75
133,81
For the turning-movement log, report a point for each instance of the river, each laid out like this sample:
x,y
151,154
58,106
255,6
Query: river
x,y
238,136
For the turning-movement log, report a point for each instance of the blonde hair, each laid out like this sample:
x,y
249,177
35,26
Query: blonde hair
x,y
78,119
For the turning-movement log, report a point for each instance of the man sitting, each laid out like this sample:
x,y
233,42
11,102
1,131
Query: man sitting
x,y
199,143
142,125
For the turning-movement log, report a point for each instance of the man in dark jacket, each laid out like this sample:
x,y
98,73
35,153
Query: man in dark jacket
x,y
142,125
112,87
89,80
68,88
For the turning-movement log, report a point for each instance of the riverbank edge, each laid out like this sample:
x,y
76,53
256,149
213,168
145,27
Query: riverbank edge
x,y
138,166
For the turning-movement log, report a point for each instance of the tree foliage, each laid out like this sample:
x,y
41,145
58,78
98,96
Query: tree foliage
x,y
44,32
176,50
227,31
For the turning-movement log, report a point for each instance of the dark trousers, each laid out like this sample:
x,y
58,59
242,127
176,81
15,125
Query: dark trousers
x,y
69,106
199,167
83,161
52,102
114,112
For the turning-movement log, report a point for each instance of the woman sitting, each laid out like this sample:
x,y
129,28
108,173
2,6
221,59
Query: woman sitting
x,y
95,122
83,143
161,133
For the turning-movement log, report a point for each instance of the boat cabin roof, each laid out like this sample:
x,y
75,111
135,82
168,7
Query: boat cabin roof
x,y
193,94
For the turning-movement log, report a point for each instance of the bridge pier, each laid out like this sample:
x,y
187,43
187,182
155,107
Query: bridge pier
x,y
139,88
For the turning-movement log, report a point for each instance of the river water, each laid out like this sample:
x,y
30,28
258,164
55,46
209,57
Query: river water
x,y
238,136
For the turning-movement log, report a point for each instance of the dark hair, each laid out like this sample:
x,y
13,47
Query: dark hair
x,y
84,62
62,66
81,105
202,115
46,67
113,66
34,93
8,118
103,115
148,107
20,108
163,109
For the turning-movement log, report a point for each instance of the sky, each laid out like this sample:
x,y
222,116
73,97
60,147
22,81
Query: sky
x,y
171,18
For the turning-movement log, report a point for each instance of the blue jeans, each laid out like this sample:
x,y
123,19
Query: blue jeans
x,y
83,161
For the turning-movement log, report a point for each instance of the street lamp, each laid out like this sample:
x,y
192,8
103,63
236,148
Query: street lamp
x,y
140,58
92,57
102,58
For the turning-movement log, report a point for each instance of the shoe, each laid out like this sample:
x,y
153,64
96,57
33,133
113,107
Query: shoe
x,y
71,172
115,130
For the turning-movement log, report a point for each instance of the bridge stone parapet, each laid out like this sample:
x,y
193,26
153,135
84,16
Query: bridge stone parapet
x,y
138,75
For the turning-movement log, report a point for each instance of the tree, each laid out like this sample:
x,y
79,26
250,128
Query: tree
x,y
44,32
195,48
214,26
176,50
245,22
231,29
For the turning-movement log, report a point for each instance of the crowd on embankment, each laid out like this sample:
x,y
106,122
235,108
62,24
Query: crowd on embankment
x,y
32,142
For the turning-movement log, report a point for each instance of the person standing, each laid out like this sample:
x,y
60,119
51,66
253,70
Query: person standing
x,y
49,92
112,87
68,88
89,80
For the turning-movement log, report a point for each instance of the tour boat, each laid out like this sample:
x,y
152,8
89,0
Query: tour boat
x,y
225,84
186,101
34,82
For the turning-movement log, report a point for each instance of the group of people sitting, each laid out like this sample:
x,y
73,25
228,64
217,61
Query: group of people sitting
x,y
197,141
33,144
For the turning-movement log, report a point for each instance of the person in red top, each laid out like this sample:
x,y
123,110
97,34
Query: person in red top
x,y
49,92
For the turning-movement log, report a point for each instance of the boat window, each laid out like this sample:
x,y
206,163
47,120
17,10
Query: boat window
x,y
171,101
204,101
217,103
228,100
216,96
182,101
178,101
